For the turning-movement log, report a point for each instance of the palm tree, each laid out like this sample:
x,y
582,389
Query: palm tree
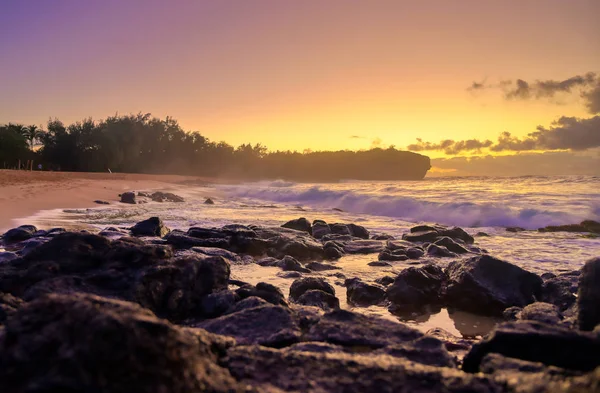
x,y
32,134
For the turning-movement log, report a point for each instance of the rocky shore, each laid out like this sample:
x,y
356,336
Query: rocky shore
x,y
149,309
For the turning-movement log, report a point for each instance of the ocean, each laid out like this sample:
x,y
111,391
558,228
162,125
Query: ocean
x,y
477,204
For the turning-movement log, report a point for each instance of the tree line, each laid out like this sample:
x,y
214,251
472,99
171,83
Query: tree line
x,y
141,143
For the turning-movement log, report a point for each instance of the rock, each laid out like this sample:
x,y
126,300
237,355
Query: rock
x,y
265,291
302,285
512,313
176,290
267,261
181,241
217,252
358,231
264,325
415,252
340,239
209,201
482,234
457,233
19,234
395,255
320,267
160,196
585,226
379,264
314,346
247,303
416,288
541,312
494,363
425,236
385,280
363,247
6,256
439,251
207,233
9,305
150,227
487,286
363,294
218,303
320,229
382,236
425,350
300,224
128,197
340,229
99,202
588,299
299,247
351,329
451,342
332,250
47,339
291,264
318,298
558,291
515,229
426,228
289,275
451,245
538,342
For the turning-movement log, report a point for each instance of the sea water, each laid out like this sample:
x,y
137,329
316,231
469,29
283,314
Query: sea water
x,y
477,204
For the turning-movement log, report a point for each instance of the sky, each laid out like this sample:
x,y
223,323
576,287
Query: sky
x,y
427,75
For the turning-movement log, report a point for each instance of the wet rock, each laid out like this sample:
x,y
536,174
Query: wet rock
x,y
302,285
379,264
558,291
265,291
207,233
6,256
435,250
19,234
160,196
169,359
209,201
588,299
181,241
382,236
318,298
268,325
538,342
320,267
300,224
426,228
267,261
585,226
176,290
425,236
299,247
9,305
218,303
289,275
541,312
393,255
451,245
247,303
385,280
512,313
416,288
457,233
494,363
150,227
320,229
451,342
415,252
99,202
482,234
515,229
363,247
487,286
128,197
351,329
340,229
314,346
289,263
332,250
340,239
425,350
55,231
362,294
358,231
217,252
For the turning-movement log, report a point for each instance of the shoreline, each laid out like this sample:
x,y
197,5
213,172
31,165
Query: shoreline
x,y
26,193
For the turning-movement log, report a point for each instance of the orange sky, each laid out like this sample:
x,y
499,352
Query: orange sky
x,y
297,74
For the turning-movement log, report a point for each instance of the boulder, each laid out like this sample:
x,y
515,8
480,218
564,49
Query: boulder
x,y
6,256
362,294
9,305
150,227
160,196
385,280
494,363
247,303
332,250
358,231
46,340
302,285
218,303
379,264
320,229
425,350
217,252
363,247
207,233
265,291
19,234
416,288
588,299
180,240
320,267
425,236
457,233
415,252
209,201
300,224
541,312
486,285
538,342
318,298
340,229
451,245
558,291
289,263
435,250
393,255
585,226
128,197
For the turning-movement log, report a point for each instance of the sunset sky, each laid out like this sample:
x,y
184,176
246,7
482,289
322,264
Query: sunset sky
x,y
310,74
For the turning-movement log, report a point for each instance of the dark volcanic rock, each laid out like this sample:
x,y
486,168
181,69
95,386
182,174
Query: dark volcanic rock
x,y
379,263
385,280
160,196
150,227
415,252
393,255
351,329
19,234
217,252
416,288
358,231
320,267
451,245
291,264
128,197
457,233
207,233
538,342
8,306
494,363
265,325
302,285
435,250
99,202
318,298
340,229
486,285
300,224
363,247
182,241
425,236
559,291
425,350
218,303
247,303
584,226
362,294
45,341
588,299
209,201
320,229
541,312
332,250
265,291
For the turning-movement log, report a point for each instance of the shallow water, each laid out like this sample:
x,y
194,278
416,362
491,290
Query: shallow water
x,y
477,204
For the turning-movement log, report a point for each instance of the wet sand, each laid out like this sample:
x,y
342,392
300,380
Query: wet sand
x,y
23,193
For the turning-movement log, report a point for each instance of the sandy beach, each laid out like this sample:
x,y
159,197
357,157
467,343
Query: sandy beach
x,y
26,192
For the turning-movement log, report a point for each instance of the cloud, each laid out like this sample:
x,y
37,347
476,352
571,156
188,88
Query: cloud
x,y
520,89
357,137
376,142
566,133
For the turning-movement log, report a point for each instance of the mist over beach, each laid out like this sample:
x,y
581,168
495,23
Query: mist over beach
x,y
268,196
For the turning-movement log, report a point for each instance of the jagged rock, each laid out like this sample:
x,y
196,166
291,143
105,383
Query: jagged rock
x,y
247,303
588,299
320,267
207,233
318,298
209,201
47,339
299,247
451,245
435,250
264,325
363,294
320,229
218,303
416,288
150,227
425,233
340,239
217,252
425,350
128,197
358,231
512,313
302,285
538,342
458,233
558,291
265,291
291,264
541,312
19,234
426,228
393,255
182,241
363,247
451,342
385,280
315,346
486,285
300,224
